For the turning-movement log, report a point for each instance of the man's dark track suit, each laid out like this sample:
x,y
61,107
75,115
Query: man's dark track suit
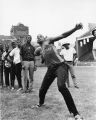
x,y
56,68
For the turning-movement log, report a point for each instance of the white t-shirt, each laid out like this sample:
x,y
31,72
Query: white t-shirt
x,y
16,55
94,44
68,53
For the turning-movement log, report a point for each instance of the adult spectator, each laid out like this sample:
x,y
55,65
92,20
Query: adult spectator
x,y
16,66
68,55
28,61
1,66
7,66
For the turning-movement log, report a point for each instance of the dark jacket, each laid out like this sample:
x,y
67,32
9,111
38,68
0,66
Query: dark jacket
x,y
27,52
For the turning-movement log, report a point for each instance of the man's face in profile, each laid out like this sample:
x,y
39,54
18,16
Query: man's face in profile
x,y
95,33
13,45
7,48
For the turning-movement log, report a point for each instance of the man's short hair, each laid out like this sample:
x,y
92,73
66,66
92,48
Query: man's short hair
x,y
93,32
29,36
13,43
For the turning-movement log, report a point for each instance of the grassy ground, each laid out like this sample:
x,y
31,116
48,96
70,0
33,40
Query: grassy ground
x,y
15,106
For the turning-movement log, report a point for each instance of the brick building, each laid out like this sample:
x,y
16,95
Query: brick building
x,y
20,32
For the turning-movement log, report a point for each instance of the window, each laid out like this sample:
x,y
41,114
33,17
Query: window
x,y
84,41
81,43
87,39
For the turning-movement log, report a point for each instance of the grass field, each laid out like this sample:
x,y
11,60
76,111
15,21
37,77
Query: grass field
x,y
16,106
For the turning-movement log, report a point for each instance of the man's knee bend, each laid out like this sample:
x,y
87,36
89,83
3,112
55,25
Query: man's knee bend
x,y
61,87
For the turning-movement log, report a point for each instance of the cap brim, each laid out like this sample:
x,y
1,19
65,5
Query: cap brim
x,y
66,44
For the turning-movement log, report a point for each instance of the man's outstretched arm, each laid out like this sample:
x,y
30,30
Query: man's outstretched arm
x,y
66,34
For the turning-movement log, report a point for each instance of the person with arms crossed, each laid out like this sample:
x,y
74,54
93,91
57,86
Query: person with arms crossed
x,y
28,64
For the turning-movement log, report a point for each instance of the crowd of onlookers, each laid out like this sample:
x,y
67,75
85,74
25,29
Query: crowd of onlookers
x,y
15,61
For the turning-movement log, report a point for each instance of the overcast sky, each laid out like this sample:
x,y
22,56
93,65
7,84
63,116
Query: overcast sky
x,y
48,17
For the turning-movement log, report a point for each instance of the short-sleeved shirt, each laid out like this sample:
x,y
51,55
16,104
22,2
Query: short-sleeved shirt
x,y
27,52
68,54
15,53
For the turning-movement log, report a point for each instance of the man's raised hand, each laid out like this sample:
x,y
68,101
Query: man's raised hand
x,y
79,26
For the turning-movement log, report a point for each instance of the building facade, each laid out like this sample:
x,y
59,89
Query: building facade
x,y
6,40
20,32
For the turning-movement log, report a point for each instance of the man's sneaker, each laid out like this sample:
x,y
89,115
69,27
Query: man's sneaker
x,y
29,91
78,117
19,89
24,91
37,106
12,88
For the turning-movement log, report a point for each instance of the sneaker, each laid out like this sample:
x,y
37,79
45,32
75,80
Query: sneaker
x,y
78,117
24,91
19,89
12,88
37,106
29,91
